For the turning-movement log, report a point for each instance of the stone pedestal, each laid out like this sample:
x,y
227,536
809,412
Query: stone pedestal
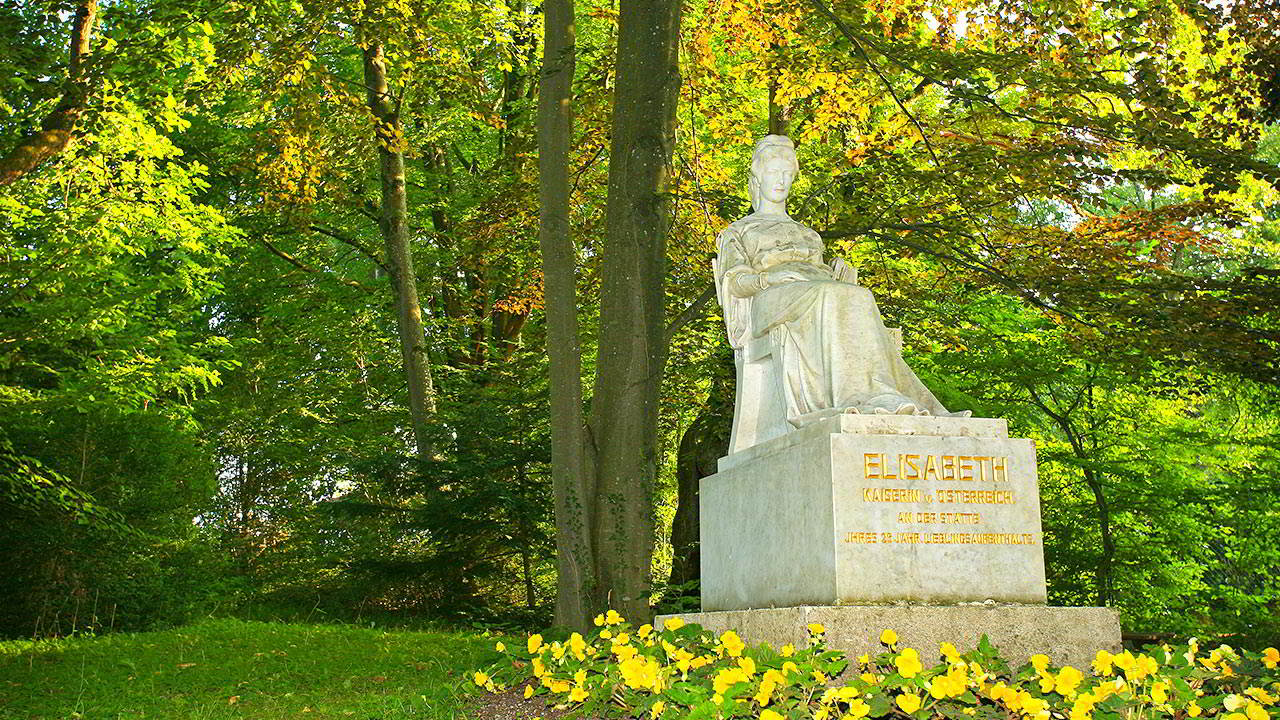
x,y
865,509
926,525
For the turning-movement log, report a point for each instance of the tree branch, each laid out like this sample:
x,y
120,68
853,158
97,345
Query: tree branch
x,y
57,129
353,243
694,310
303,266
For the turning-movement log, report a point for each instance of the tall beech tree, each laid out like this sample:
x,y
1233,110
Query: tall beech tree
x,y
604,469
393,222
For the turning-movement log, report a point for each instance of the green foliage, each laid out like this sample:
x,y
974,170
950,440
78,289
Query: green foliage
x,y
235,669
200,392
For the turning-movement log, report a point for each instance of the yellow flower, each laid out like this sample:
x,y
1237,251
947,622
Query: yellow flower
x,y
1261,695
1254,711
858,709
1271,657
727,678
1194,709
599,620
1102,663
559,686
657,709
1233,702
819,677
789,668
578,694
528,691
480,678
889,637
869,678
578,646
748,666
606,633
1159,693
612,618
538,668
949,652
643,632
953,684
909,702
767,714
1067,681
557,650
641,673
717,699
765,692
623,652
788,650
1146,665
732,643
816,629
500,647
908,663
1082,709
534,643
673,624
865,658
1039,662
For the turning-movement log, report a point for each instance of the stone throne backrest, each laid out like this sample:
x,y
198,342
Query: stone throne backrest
x,y
759,406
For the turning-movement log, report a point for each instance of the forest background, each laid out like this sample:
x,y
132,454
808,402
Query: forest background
x,y
214,398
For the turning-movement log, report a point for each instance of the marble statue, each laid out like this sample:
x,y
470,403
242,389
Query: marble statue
x,y
808,341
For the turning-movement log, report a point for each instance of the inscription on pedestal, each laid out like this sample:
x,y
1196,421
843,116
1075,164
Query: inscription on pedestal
x,y
851,512
959,516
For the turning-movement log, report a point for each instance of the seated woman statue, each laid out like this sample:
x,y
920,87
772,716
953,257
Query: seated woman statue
x,y
802,331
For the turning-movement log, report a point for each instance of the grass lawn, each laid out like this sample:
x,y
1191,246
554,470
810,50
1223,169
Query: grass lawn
x,y
236,669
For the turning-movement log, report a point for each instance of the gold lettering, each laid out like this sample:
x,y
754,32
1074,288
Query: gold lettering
x,y
948,464
1000,469
885,472
911,464
931,466
869,461
982,467
966,463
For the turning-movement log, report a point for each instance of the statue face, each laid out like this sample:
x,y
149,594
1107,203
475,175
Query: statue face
x,y
776,178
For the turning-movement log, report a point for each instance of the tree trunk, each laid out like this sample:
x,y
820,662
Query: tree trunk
x,y
778,115
57,129
571,479
632,348
703,444
394,224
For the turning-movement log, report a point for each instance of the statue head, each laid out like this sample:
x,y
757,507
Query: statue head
x,y
773,168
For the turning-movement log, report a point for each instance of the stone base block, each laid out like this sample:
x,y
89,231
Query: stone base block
x,y
1068,635
872,509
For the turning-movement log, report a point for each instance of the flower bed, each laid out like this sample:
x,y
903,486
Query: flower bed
x,y
683,671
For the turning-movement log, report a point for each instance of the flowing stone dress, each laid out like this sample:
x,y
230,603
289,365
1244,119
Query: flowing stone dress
x,y
832,351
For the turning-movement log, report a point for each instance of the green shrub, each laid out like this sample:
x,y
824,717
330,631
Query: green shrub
x,y
683,671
